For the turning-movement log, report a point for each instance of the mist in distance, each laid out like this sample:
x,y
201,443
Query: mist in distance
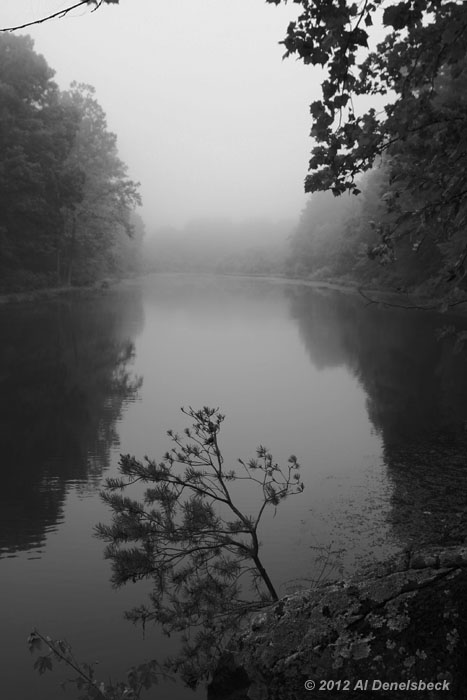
x,y
208,117
219,245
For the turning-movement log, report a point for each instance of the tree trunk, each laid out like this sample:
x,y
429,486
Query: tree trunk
x,y
58,268
264,575
71,253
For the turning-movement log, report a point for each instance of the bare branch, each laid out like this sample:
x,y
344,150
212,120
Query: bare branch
x,y
409,307
55,15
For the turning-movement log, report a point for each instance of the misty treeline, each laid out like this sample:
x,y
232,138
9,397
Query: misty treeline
x,y
350,239
67,205
218,245
411,152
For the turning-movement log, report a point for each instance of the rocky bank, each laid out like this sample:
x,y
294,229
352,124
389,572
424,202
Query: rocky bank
x,y
405,623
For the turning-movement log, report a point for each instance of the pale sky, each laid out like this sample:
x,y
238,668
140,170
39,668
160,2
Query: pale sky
x,y
209,118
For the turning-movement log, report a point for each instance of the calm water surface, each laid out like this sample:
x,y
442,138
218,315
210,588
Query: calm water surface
x,y
373,405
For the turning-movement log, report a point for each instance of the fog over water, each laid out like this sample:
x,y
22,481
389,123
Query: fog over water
x,y
370,396
370,401
209,118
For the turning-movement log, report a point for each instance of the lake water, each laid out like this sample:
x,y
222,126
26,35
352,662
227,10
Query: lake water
x,y
370,400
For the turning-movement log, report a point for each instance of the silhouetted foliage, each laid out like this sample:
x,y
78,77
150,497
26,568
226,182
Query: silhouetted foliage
x,y
108,196
64,193
192,540
198,548
138,679
421,132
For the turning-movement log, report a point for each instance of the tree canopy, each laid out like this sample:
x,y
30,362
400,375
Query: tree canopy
x,y
108,196
420,135
426,39
65,196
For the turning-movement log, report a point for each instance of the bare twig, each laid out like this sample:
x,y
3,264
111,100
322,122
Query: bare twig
x,y
60,14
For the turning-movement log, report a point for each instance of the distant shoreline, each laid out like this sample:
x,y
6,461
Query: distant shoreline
x,y
50,293
385,297
375,295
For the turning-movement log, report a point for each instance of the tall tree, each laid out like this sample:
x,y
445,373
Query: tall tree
x,y
108,195
36,134
65,197
421,67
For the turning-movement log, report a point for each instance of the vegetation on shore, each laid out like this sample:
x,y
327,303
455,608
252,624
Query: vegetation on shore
x,y
67,203
410,143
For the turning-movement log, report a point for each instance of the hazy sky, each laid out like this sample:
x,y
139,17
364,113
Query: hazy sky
x,y
209,118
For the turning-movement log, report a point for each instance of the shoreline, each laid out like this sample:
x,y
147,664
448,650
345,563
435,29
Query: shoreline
x,y
376,295
52,293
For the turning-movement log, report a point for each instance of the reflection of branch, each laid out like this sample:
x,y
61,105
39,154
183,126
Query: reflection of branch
x,y
62,652
434,307
60,14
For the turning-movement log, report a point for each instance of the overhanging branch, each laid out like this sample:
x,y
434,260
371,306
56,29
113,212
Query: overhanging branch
x,y
60,14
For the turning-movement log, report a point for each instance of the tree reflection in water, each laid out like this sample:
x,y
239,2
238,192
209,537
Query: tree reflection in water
x,y
417,401
66,375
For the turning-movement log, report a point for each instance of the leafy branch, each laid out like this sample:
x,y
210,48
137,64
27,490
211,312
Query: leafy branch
x,y
190,537
139,678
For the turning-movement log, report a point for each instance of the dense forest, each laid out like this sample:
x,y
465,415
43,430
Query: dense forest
x,y
388,196
68,206
345,239
405,161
